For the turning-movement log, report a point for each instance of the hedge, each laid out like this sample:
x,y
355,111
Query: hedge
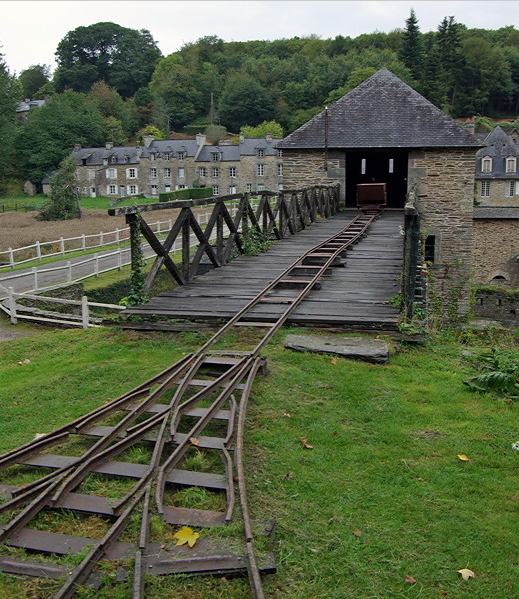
x,y
192,193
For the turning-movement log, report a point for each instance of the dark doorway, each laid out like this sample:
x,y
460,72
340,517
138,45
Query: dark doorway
x,y
373,166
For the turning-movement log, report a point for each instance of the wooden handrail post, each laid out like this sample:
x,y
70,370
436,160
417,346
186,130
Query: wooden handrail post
x,y
85,316
12,306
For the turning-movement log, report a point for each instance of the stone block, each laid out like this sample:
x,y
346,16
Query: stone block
x,y
375,351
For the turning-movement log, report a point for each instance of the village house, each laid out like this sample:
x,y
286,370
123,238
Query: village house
x,y
160,166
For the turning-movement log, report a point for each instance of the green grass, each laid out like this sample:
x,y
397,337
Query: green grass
x,y
34,202
386,440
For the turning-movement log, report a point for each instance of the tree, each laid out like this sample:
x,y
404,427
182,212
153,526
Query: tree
x,y
244,102
33,78
9,96
49,133
275,129
124,58
64,198
411,51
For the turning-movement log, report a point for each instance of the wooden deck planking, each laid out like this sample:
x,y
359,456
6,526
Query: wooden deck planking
x,y
354,295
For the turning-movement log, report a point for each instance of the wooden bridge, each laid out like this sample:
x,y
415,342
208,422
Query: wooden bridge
x,y
354,294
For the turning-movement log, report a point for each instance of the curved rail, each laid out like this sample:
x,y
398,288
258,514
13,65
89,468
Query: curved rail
x,y
211,387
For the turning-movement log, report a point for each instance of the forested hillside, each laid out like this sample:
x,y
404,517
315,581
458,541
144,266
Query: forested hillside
x,y
113,84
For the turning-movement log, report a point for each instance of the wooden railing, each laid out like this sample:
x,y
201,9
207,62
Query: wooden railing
x,y
234,219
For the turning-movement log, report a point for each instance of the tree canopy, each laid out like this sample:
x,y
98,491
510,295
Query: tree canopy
x,y
34,78
124,58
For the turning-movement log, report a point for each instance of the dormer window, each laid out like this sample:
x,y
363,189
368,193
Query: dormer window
x,y
511,164
166,156
114,159
105,161
152,156
181,155
215,156
280,153
261,153
125,159
486,164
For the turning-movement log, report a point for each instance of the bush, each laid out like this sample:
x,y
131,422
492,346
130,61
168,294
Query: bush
x,y
191,193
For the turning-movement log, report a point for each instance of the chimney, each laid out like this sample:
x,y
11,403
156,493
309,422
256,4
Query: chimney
x,y
200,139
147,140
268,136
138,151
109,145
77,147
470,125
242,138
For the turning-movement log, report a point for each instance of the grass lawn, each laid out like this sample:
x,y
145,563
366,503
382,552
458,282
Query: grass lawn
x,y
381,496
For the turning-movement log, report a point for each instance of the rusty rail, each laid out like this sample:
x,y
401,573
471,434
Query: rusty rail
x,y
172,415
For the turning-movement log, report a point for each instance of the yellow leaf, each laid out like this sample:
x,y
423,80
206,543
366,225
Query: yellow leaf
x,y
333,360
357,532
194,441
409,579
466,573
304,443
463,458
287,415
186,535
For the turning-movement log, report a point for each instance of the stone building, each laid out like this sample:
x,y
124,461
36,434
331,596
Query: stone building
x,y
497,175
166,165
384,131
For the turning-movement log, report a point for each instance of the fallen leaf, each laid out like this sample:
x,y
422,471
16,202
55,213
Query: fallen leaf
x,y
23,362
223,579
466,573
186,535
410,579
287,415
422,480
304,443
508,400
335,434
194,441
333,361
357,532
463,458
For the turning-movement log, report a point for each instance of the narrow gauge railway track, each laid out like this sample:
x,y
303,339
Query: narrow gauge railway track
x,y
144,446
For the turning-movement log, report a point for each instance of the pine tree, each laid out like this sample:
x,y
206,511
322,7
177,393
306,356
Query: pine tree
x,y
412,51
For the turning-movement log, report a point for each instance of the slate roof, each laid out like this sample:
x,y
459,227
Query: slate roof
x,y
171,146
498,146
496,212
233,153
95,156
381,112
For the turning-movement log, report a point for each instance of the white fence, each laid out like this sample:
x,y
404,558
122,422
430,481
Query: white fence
x,y
16,311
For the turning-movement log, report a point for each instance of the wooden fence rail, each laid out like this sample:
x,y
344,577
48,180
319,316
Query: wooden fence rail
x,y
267,215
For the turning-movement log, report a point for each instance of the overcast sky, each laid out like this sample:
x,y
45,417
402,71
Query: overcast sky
x,y
31,30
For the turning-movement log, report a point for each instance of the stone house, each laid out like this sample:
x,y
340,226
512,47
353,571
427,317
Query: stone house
x,y
166,165
385,131
497,174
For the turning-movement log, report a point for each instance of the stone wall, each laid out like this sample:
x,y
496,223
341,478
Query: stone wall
x,y
495,251
442,183
498,194
306,168
498,306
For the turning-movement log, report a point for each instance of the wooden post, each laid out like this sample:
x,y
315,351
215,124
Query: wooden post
x,y
12,306
186,243
83,242
35,275
11,257
120,259
132,222
96,265
62,246
85,317
38,251
69,271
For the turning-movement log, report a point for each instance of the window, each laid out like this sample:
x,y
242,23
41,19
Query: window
x,y
248,187
391,165
280,153
181,173
166,156
261,153
134,190
215,156
167,173
363,166
202,171
114,160
105,161
260,170
280,186
167,188
429,248
131,173
261,186
485,189
510,189
181,186
181,155
112,190
152,156
91,174
126,159
216,172
111,173
153,173
153,190
486,165
232,171
216,190
232,188
280,169
510,164
83,190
